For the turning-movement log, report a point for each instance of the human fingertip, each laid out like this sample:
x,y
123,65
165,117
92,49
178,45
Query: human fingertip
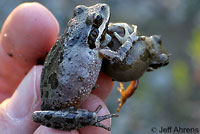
x,y
105,84
29,32
26,37
46,130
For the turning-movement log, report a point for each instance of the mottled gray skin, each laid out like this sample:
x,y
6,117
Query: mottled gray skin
x,y
144,55
71,70
71,118
71,67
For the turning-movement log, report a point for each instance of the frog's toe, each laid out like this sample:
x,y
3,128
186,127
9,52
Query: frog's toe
x,y
119,108
103,126
119,100
104,117
120,38
127,31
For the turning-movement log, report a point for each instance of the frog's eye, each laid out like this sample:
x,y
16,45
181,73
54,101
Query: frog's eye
x,y
98,19
92,37
163,57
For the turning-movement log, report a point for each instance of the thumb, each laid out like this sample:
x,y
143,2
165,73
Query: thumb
x,y
16,111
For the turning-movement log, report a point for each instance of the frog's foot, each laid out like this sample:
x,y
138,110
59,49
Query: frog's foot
x,y
104,117
127,42
125,94
127,31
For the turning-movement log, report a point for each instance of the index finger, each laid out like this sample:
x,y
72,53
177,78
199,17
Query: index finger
x,y
26,36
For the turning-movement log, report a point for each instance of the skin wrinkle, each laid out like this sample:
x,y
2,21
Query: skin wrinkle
x,y
36,99
6,113
4,126
5,119
17,122
26,104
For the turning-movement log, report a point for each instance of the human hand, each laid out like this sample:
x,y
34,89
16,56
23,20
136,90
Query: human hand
x,y
26,36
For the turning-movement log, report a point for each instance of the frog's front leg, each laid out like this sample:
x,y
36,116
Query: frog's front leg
x,y
127,42
70,119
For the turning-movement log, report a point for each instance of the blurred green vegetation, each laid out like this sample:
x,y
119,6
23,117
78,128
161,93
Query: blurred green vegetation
x,y
194,46
180,71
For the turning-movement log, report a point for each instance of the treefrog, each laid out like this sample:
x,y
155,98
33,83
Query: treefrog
x,y
71,69
146,54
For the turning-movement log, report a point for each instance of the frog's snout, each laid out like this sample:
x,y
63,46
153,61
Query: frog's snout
x,y
35,116
163,61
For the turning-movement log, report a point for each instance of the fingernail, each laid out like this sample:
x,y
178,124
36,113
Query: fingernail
x,y
26,96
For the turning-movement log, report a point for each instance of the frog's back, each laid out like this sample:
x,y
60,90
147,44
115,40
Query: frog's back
x,y
73,64
69,74
49,74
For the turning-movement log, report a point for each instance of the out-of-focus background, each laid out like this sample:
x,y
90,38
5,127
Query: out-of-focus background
x,y
169,96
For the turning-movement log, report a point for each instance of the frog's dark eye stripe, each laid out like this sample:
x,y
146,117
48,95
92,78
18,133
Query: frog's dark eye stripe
x,y
94,33
92,37
98,19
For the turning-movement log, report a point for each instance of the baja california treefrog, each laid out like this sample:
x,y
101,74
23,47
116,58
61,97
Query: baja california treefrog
x,y
146,54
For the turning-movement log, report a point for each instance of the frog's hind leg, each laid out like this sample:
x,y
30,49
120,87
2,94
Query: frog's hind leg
x,y
125,94
104,117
